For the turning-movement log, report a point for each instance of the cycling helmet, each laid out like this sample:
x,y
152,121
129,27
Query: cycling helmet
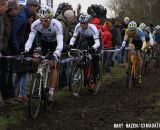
x,y
33,2
45,12
157,27
147,28
132,25
142,26
84,18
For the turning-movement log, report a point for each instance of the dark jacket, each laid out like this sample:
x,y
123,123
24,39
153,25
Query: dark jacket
x,y
6,32
1,33
18,27
114,34
63,21
123,29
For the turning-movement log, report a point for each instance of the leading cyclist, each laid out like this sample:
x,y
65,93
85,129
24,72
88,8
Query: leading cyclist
x,y
136,38
89,38
49,35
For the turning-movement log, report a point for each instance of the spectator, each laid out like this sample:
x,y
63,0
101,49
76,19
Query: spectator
x,y
8,90
3,9
124,26
17,41
96,22
107,43
116,39
66,19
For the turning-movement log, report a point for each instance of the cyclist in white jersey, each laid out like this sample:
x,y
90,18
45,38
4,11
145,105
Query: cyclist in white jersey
x,y
89,38
48,35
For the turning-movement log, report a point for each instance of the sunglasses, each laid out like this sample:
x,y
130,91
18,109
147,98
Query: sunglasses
x,y
44,20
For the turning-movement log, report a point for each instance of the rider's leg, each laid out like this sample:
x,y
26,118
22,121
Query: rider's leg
x,y
95,62
140,60
53,78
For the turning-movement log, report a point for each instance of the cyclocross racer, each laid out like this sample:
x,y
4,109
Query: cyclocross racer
x,y
89,37
136,37
49,35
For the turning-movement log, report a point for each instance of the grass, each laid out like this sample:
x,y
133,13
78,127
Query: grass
x,y
11,117
117,73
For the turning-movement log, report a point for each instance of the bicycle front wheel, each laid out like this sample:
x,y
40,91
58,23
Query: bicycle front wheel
x,y
98,78
76,80
35,96
130,77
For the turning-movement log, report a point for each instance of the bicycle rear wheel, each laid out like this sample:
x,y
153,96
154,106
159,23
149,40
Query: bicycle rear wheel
x,y
35,96
76,80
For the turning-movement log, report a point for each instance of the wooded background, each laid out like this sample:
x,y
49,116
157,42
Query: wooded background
x,y
146,11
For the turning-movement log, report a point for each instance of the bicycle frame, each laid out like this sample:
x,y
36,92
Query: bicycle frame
x,y
133,72
38,90
86,61
83,71
134,61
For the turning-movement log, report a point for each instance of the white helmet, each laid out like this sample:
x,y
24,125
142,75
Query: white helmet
x,y
84,18
45,12
157,27
142,26
132,25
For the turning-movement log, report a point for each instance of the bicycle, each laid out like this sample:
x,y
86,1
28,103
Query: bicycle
x,y
38,94
148,55
82,75
133,74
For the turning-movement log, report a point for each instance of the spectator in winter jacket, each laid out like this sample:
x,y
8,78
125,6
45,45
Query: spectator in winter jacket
x,y
96,22
17,41
124,26
18,26
7,84
3,8
106,35
66,19
107,43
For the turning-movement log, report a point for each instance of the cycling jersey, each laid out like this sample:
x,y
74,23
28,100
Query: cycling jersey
x,y
50,34
90,33
136,37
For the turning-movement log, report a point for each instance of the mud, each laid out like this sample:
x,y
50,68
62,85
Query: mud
x,y
112,105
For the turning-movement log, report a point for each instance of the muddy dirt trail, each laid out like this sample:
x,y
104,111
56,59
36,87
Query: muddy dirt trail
x,y
112,105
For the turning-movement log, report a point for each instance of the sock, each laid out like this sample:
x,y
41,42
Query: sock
x,y
51,91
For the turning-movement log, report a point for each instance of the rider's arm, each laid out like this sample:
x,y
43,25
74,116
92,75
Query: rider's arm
x,y
96,37
32,35
75,34
125,39
59,36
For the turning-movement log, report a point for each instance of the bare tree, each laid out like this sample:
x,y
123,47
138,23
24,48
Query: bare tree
x,y
139,10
